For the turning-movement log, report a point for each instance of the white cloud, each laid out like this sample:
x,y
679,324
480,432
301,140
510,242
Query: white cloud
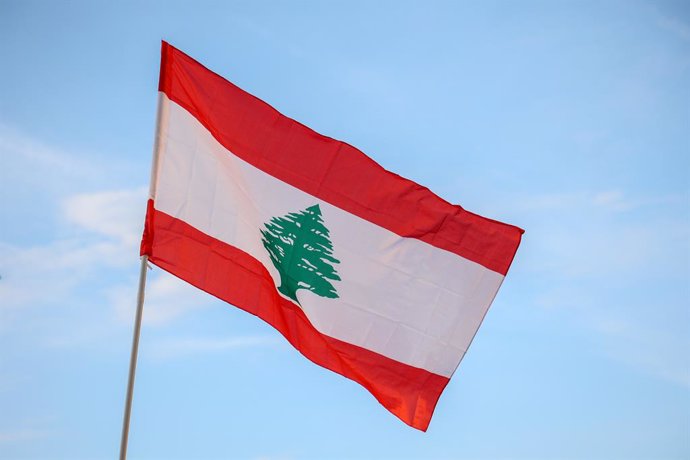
x,y
649,350
22,435
46,273
642,337
274,457
595,253
172,348
577,202
595,234
636,250
675,26
616,200
547,201
97,248
104,231
608,198
167,298
39,163
117,214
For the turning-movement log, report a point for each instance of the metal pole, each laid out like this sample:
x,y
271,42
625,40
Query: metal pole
x,y
158,144
133,357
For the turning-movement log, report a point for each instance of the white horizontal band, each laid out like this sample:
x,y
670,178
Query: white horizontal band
x,y
398,297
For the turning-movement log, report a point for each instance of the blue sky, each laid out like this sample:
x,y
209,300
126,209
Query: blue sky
x,y
569,119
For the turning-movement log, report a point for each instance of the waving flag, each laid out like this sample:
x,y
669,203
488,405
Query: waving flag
x,y
364,272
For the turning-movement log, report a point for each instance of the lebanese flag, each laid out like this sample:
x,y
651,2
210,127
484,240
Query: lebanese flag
x,y
364,272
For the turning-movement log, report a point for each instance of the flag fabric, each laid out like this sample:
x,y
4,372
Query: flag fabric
x,y
364,272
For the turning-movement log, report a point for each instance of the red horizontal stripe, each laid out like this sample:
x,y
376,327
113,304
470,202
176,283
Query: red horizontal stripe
x,y
236,277
329,169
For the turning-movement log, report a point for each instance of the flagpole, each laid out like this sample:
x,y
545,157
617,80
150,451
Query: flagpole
x,y
161,118
133,357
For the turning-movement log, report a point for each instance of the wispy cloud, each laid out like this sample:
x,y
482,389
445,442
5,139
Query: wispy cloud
x,y
608,199
167,298
637,250
38,274
617,200
274,457
47,165
53,281
114,214
603,233
675,26
104,230
95,229
647,349
176,347
643,337
592,248
22,435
